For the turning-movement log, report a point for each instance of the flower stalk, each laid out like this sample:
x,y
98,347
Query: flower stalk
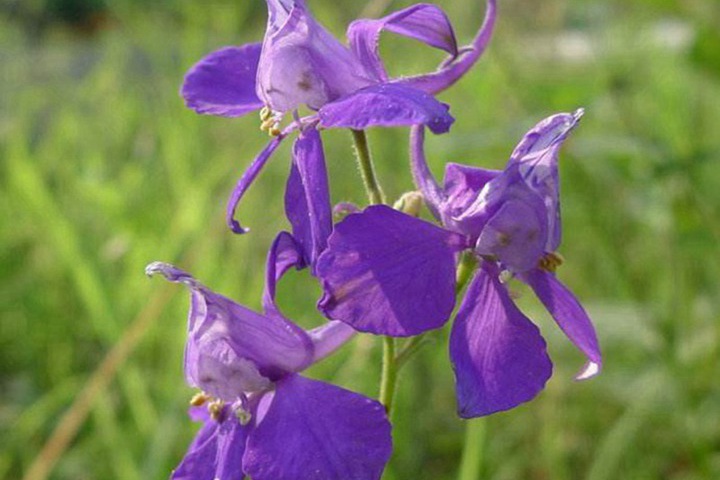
x,y
473,448
367,169
389,374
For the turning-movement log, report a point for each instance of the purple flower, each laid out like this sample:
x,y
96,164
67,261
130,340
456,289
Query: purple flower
x,y
300,63
263,419
388,273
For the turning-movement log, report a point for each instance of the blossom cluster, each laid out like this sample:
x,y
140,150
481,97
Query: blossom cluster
x,y
383,270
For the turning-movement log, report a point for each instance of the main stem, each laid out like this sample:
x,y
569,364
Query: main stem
x,y
376,196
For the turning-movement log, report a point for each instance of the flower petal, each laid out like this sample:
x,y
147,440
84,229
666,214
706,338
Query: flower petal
x,y
569,315
423,177
199,461
452,69
516,235
314,430
215,453
386,105
223,83
231,349
461,186
302,63
278,12
424,22
329,337
285,253
536,159
307,196
247,179
498,355
388,273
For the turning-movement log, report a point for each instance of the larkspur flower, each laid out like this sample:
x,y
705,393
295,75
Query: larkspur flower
x,y
299,63
263,419
388,273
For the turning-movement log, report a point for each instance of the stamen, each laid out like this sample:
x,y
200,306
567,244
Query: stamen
x,y
243,416
215,408
267,124
265,113
550,262
199,399
270,121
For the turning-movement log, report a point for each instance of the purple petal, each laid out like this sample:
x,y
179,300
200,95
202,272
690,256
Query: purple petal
x,y
498,355
452,69
386,105
199,461
285,253
223,83
246,180
199,414
215,453
423,22
388,273
278,12
231,349
569,315
313,430
302,63
307,196
329,337
462,184
536,158
423,177
507,217
516,235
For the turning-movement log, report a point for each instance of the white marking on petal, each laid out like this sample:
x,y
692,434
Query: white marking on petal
x,y
589,370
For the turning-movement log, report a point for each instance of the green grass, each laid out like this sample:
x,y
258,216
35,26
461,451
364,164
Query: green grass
x,y
103,170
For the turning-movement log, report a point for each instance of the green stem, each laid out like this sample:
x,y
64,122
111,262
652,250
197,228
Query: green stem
x,y
389,374
408,350
472,455
367,170
465,269
376,196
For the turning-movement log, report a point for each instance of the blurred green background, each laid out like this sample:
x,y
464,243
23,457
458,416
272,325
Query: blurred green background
x,y
103,170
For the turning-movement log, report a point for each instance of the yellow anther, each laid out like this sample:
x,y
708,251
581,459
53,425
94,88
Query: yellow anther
x,y
274,131
243,416
268,123
199,399
215,408
265,113
551,262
